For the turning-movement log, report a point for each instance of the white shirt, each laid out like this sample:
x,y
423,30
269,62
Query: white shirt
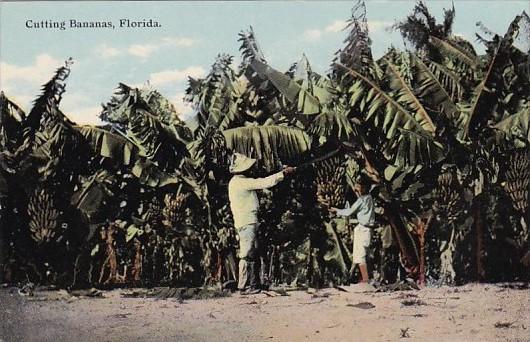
x,y
243,198
365,209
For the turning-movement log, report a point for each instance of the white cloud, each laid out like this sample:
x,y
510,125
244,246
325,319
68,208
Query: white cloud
x,y
317,33
178,41
312,34
377,25
142,51
145,50
463,35
106,51
83,115
184,108
336,26
79,107
38,72
175,75
339,25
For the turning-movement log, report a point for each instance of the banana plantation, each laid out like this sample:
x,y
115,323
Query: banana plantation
x,y
442,132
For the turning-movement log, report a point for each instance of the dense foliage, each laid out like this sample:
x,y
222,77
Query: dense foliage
x,y
443,133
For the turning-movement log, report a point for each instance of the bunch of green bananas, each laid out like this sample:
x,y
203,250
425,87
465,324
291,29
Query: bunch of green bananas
x,y
153,214
447,197
43,216
330,182
517,183
173,212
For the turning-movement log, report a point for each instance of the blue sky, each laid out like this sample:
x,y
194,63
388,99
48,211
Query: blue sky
x,y
192,34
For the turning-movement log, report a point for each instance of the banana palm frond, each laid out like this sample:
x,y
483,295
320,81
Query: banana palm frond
x,y
211,96
54,145
380,108
108,144
233,115
307,102
10,110
411,149
332,122
117,110
162,107
11,118
143,126
484,102
249,48
430,88
221,86
406,96
152,175
521,37
449,18
94,190
448,79
457,51
155,140
357,52
492,88
47,104
517,125
269,144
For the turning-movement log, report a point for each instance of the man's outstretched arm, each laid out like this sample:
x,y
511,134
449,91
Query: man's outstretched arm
x,y
265,182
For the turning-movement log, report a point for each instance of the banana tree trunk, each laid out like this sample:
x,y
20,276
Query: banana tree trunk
x,y
421,226
479,243
406,243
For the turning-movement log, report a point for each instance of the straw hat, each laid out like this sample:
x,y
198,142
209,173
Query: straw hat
x,y
241,163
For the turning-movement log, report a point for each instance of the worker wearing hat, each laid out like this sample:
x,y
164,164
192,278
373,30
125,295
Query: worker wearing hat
x,y
244,205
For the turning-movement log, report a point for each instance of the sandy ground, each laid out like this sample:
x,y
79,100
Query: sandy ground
x,y
474,312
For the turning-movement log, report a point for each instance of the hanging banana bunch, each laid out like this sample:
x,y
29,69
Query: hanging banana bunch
x,y
517,182
153,214
43,216
173,212
447,196
330,182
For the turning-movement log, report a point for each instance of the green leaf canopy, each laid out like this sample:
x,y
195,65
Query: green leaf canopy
x,y
269,144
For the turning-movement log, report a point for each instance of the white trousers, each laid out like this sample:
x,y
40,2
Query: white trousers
x,y
248,249
361,242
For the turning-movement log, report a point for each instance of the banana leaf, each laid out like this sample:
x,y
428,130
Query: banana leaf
x,y
307,103
517,125
431,89
378,106
405,95
47,104
249,48
151,175
11,118
337,254
10,112
93,193
490,90
145,126
269,144
452,49
410,149
332,122
108,145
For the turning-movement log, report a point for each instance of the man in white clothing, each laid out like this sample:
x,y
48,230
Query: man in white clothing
x,y
244,205
364,209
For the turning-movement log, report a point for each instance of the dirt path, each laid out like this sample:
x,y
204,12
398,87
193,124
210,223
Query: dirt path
x,y
468,313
